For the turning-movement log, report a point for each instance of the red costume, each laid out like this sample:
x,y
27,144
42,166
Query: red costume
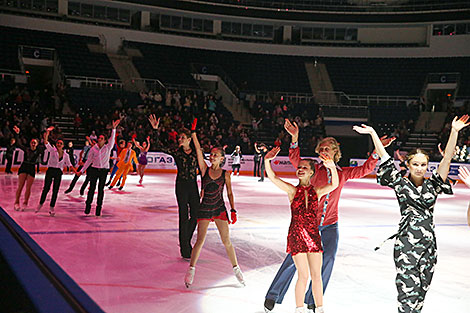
x,y
303,230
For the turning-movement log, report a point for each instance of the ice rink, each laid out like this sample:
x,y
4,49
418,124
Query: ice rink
x,y
128,260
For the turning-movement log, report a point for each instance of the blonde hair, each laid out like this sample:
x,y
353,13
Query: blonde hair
x,y
334,145
414,152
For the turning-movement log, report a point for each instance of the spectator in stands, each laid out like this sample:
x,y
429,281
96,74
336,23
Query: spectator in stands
x,y
93,136
77,122
177,98
416,196
211,105
168,99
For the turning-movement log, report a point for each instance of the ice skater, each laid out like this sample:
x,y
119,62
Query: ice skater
x,y
328,205
118,148
97,167
236,159
415,251
26,173
144,149
58,160
213,208
82,159
464,175
256,161
124,165
187,193
303,240
8,155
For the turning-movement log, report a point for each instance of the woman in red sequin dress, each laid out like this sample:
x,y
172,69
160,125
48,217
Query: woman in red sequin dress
x,y
303,239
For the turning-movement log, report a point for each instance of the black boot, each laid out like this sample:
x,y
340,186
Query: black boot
x,y
269,305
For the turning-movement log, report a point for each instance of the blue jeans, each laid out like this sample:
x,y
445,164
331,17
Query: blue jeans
x,y
329,237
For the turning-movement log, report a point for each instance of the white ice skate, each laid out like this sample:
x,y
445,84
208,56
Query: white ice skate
x,y
189,277
239,275
300,310
319,310
51,211
38,208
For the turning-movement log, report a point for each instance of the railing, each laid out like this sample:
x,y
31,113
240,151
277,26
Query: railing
x,y
211,69
151,84
352,6
340,98
289,97
93,82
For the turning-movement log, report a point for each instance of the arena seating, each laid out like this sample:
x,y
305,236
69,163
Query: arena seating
x,y
74,55
392,76
259,72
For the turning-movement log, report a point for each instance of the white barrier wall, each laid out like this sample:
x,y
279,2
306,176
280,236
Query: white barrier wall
x,y
162,161
453,172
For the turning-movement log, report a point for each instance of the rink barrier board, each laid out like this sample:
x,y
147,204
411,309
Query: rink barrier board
x,y
48,287
160,162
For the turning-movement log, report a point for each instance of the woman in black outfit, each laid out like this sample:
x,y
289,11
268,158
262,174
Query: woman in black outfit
x,y
27,172
10,150
187,193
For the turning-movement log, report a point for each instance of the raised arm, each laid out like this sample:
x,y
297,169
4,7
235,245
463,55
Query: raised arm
x,y
46,138
379,147
112,138
200,156
17,138
330,164
137,144
148,144
256,148
285,186
294,151
457,125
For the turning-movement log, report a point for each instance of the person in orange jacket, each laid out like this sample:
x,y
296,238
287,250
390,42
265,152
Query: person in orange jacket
x,y
124,165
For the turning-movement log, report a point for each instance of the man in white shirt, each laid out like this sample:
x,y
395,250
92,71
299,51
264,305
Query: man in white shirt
x,y
98,161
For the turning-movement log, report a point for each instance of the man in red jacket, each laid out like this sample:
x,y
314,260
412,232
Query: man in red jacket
x,y
328,206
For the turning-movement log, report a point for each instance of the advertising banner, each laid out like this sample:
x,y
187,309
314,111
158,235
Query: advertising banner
x,y
453,171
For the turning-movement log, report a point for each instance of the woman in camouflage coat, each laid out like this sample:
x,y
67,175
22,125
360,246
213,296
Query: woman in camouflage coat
x,y
415,250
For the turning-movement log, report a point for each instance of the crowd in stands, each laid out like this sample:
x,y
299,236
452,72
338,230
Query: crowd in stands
x,y
33,109
462,151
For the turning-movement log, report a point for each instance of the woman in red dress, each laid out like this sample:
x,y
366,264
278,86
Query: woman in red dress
x,y
303,239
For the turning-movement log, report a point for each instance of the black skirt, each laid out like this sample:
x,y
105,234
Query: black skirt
x,y
28,169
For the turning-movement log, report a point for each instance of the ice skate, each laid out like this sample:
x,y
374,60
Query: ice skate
x,y
188,279
239,275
